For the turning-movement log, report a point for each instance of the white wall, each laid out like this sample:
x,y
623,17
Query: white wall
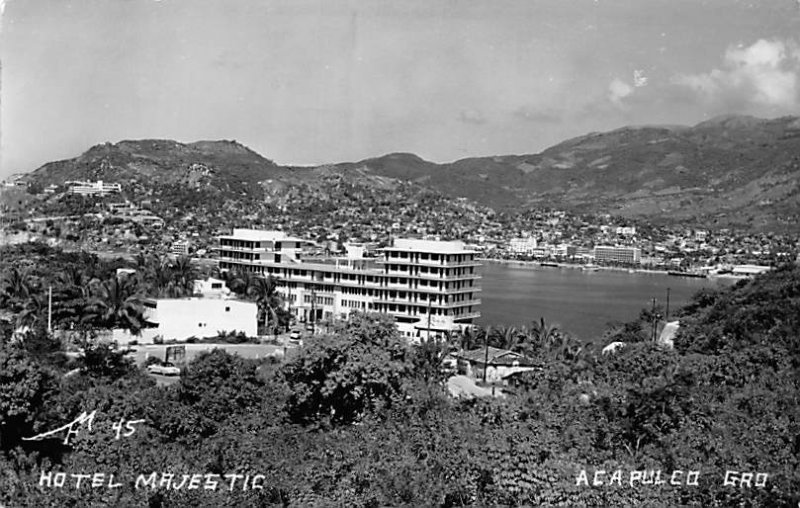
x,y
182,318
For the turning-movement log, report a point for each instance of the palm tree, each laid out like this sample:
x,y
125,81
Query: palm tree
x,y
155,273
35,308
71,293
117,302
566,347
16,288
542,334
470,337
182,277
506,337
265,292
240,281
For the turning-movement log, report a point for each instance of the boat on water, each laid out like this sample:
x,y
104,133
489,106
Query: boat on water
x,y
552,265
693,275
590,268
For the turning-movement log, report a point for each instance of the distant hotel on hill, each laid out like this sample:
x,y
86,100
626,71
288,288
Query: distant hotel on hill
x,y
429,287
92,188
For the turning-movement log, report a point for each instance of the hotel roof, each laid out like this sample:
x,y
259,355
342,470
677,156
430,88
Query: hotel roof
x,y
260,235
437,247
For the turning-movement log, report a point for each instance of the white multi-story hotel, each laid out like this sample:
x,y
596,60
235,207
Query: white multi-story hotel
x,y
522,245
89,188
617,254
429,287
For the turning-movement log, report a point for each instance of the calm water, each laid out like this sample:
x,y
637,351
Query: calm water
x,y
580,302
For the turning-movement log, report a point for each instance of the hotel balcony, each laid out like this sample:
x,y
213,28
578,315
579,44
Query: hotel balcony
x,y
424,303
431,276
255,250
428,262
431,290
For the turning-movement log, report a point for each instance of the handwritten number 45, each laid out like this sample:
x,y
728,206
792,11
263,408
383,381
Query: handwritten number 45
x,y
129,427
87,419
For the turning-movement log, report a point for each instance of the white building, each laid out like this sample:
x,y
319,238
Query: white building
x,y
618,254
522,246
750,269
497,363
180,248
181,318
91,188
211,288
429,287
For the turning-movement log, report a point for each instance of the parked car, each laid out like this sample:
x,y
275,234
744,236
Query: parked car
x,y
165,369
294,334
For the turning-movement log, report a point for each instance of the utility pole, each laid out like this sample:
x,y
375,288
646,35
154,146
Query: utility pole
x,y
50,310
313,312
486,354
429,317
653,313
666,318
288,303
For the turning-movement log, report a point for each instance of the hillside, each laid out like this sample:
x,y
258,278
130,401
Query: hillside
x,y
732,170
224,165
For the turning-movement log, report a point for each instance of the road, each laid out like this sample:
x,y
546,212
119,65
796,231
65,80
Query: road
x,y
255,351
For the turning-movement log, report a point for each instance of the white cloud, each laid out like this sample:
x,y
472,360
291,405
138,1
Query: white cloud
x,y
764,74
618,90
2,11
639,79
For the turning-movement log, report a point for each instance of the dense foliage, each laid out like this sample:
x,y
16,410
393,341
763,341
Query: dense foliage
x,y
359,418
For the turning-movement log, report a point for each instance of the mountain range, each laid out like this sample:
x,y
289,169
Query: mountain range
x,y
730,171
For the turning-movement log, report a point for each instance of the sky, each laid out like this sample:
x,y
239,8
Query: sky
x,y
324,81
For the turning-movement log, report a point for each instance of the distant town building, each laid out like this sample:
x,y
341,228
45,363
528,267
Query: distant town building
x,y
522,246
429,287
15,180
180,248
624,255
211,288
626,230
498,363
92,188
750,269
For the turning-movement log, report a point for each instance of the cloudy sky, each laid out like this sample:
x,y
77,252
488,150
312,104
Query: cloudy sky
x,y
313,81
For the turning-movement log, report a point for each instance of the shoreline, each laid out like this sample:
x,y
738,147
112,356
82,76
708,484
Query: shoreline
x,y
552,264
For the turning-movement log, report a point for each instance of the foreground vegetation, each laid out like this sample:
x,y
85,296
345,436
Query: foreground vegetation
x,y
359,418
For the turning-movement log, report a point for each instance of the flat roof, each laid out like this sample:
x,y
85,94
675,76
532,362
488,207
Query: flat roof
x,y
434,246
260,235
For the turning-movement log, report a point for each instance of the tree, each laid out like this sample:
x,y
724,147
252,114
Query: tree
x,y
117,303
17,287
240,281
362,366
100,360
34,311
265,292
506,337
540,336
182,277
470,338
23,388
427,360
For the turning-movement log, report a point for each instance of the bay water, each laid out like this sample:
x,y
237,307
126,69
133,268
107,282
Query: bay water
x,y
582,303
